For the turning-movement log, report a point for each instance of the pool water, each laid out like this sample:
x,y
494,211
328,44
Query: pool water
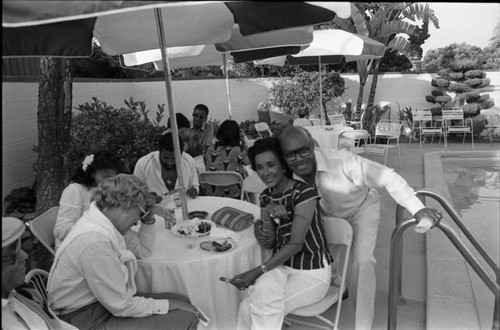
x,y
474,186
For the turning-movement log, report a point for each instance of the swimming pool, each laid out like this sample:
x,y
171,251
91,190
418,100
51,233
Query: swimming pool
x,y
471,182
474,186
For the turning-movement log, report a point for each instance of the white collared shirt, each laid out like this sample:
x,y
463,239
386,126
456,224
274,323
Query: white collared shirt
x,y
344,179
148,169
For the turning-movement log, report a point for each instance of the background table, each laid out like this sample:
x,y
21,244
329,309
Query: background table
x,y
327,139
174,267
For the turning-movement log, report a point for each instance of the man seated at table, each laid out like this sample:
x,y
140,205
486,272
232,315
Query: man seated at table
x,y
22,306
158,169
303,119
201,135
92,281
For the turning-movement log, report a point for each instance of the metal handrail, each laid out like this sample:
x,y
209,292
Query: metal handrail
x,y
396,254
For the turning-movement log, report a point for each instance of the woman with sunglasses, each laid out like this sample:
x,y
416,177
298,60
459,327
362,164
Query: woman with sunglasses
x,y
298,273
91,284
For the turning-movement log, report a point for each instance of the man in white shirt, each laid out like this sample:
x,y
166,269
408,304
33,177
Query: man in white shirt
x,y
159,171
22,306
347,185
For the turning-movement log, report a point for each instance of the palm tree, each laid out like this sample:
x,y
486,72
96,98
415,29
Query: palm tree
x,y
384,21
495,38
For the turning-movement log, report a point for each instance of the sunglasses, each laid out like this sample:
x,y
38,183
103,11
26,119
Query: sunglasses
x,y
302,152
12,258
144,213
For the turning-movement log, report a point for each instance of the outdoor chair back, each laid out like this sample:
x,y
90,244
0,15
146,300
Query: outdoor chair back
x,y
261,128
336,119
424,124
38,279
252,188
42,227
221,179
339,236
391,132
454,122
354,140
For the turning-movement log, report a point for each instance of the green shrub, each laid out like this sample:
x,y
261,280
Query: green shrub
x,y
474,74
471,109
475,82
456,75
126,131
483,98
277,128
471,97
436,92
487,104
459,87
21,200
248,128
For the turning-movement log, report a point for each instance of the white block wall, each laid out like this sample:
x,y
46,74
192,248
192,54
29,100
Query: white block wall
x,y
20,102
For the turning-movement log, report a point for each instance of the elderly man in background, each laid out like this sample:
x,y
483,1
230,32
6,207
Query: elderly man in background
x,y
92,281
22,306
201,135
347,185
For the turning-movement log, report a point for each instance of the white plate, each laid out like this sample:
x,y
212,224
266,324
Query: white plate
x,y
208,246
189,227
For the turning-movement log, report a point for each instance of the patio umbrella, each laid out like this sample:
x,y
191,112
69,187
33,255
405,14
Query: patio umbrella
x,y
66,29
329,47
247,48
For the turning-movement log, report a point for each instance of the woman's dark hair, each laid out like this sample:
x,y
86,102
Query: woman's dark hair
x,y
181,120
228,134
166,142
268,144
102,160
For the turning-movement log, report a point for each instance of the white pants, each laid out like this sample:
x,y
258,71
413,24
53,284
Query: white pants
x,y
279,292
362,278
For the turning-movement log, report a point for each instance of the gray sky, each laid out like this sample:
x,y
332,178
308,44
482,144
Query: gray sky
x,y
459,22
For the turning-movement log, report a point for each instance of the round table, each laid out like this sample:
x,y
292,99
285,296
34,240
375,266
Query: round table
x,y
179,265
327,139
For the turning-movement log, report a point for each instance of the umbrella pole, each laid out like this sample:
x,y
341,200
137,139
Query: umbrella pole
x,y
322,113
171,110
226,76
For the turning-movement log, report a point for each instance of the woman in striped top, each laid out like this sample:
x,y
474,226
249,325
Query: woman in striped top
x,y
298,274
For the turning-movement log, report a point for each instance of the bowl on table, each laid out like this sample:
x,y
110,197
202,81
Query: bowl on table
x,y
198,214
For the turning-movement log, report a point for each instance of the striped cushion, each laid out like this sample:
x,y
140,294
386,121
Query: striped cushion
x,y
232,218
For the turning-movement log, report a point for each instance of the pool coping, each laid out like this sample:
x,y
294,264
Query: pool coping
x,y
450,299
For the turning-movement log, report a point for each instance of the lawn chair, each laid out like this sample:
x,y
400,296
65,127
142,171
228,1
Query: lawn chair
x,y
390,131
339,236
454,122
38,279
354,140
42,227
337,119
252,188
420,119
263,127
221,179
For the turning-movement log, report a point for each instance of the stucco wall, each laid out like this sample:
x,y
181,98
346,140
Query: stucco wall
x,y
19,106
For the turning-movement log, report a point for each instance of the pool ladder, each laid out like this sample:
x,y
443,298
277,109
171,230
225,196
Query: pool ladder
x,y
396,256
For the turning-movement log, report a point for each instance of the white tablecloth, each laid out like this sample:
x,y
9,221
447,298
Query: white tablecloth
x,y
174,267
327,139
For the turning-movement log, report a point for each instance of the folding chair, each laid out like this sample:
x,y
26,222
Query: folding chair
x,y
263,127
339,235
42,227
354,140
252,188
422,117
337,119
38,279
454,122
221,179
390,131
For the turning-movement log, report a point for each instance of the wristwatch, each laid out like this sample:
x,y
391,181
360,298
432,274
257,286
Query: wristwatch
x,y
263,268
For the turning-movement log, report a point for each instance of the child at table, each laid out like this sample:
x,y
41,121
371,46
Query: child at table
x,y
298,273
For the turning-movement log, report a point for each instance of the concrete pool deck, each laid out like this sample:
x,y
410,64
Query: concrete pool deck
x,y
417,313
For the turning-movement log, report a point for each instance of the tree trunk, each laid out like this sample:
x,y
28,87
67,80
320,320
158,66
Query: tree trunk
x,y
363,67
373,87
54,123
359,103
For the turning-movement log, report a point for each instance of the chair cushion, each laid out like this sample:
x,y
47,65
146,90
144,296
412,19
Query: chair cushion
x,y
232,218
332,296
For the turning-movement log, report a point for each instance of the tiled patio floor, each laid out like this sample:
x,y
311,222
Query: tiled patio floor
x,y
411,315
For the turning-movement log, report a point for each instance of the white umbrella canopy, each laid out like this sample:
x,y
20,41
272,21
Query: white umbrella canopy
x,y
329,47
66,28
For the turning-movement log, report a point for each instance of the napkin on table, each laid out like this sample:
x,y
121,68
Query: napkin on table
x,y
224,233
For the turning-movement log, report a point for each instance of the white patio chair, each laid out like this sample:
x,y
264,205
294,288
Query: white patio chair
x,y
454,122
221,179
354,140
420,119
390,131
38,279
263,127
339,236
337,119
42,227
252,188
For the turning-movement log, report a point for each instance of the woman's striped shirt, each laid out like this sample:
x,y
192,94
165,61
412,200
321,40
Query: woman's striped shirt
x,y
315,248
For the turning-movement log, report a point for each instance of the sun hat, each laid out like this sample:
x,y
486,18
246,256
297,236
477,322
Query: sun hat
x,y
12,229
